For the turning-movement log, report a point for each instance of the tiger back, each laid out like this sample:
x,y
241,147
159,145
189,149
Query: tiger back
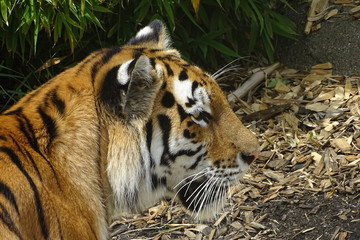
x,y
122,129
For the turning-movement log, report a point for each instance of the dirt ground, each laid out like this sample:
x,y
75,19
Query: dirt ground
x,y
309,216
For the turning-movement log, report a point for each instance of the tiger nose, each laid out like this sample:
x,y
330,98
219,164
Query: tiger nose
x,y
249,158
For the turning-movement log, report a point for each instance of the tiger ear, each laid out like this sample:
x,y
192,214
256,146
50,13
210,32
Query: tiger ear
x,y
152,36
143,82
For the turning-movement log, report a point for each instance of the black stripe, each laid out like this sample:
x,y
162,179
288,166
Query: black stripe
x,y
88,59
29,133
205,116
108,54
6,191
194,86
165,125
169,70
14,158
6,219
49,124
3,138
156,181
187,152
13,112
190,103
59,103
27,156
154,50
168,100
198,159
183,115
111,90
183,75
149,133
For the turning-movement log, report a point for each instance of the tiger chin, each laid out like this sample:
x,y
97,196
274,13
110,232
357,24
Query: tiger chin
x,y
122,129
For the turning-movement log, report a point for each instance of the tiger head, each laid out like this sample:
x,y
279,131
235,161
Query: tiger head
x,y
191,145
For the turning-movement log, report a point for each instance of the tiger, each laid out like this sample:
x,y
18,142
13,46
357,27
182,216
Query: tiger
x,y
113,135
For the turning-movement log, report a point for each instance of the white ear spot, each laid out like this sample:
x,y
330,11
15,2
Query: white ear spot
x,y
144,32
122,75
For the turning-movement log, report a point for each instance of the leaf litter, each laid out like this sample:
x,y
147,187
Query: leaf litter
x,y
306,182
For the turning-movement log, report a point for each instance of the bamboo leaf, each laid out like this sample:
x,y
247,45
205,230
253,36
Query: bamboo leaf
x,y
222,48
4,8
101,9
169,12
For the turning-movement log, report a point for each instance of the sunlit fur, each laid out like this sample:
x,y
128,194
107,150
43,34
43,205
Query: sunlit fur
x,y
114,134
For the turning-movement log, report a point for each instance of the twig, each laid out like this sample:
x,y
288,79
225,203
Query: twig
x,y
252,82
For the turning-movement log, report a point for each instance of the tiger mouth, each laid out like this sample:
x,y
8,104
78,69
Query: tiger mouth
x,y
196,195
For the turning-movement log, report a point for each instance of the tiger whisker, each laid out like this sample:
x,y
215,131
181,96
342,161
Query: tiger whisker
x,y
222,70
190,176
198,190
207,196
194,176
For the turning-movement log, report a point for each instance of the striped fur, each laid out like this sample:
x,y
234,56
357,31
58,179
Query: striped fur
x,y
114,134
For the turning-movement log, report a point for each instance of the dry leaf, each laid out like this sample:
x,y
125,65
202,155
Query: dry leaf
x,y
317,107
324,96
342,144
354,10
281,87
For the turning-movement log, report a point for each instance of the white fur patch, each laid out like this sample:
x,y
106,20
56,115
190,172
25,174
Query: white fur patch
x,y
122,75
144,32
183,92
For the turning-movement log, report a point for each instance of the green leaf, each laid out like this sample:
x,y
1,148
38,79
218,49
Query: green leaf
x,y
71,21
58,27
259,16
82,7
91,17
169,12
4,6
101,9
222,48
36,32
